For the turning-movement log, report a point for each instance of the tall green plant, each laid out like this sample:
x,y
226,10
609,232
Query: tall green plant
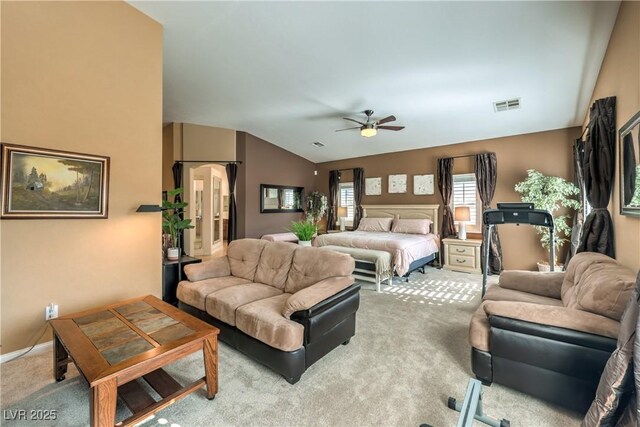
x,y
172,224
316,206
550,193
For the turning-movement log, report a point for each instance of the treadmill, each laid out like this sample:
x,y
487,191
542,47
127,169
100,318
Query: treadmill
x,y
514,213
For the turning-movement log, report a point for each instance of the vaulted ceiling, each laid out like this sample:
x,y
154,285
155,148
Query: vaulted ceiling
x,y
289,71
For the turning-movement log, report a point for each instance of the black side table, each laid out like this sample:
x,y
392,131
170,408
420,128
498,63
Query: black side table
x,y
170,277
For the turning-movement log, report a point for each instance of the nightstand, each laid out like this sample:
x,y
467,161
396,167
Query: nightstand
x,y
462,255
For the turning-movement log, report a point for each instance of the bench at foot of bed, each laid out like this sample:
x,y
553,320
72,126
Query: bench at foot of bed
x,y
371,265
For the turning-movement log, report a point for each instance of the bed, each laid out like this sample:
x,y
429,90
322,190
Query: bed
x,y
409,252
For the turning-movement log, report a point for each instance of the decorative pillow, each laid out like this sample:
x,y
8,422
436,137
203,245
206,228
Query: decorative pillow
x,y
375,224
412,226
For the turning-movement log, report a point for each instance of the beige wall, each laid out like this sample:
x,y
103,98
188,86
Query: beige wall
x,y
83,77
548,152
620,77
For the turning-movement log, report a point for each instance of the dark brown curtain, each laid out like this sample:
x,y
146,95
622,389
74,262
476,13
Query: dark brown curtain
x,y
177,170
332,199
232,223
620,378
486,170
628,157
578,216
358,192
599,169
445,185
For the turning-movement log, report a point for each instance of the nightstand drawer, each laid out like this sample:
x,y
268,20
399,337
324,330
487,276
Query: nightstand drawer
x,y
461,250
462,260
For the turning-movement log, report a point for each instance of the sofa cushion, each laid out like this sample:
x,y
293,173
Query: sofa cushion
x,y
598,284
217,267
311,265
263,320
479,330
561,317
534,282
244,255
223,304
195,293
498,293
314,294
274,264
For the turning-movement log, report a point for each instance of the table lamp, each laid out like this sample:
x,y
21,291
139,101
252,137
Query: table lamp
x,y
342,213
462,215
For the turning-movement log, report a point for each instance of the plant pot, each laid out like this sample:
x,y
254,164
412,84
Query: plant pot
x,y
173,254
545,267
304,242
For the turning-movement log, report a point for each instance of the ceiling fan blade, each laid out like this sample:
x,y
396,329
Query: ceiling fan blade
x,y
352,120
355,127
387,120
391,127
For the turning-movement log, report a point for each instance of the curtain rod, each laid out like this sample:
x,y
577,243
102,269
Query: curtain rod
x,y
208,161
457,157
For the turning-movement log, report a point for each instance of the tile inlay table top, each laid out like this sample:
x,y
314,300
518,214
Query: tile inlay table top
x,y
116,346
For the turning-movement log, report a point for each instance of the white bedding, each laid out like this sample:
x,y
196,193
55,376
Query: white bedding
x,y
404,248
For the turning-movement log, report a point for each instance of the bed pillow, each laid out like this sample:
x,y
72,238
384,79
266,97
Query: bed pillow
x,y
412,226
375,224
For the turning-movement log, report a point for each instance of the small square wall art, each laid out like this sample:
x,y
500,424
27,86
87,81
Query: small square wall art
x,y
373,186
423,185
397,184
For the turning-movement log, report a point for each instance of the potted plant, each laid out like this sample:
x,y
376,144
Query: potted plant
x,y
316,206
173,224
304,231
550,193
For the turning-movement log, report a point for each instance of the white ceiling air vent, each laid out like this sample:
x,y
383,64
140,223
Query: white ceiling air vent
x,y
317,144
509,104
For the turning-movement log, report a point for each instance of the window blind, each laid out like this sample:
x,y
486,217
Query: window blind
x,y
465,194
346,199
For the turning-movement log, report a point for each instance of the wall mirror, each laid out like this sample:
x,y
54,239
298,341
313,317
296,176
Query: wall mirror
x,y
280,198
629,166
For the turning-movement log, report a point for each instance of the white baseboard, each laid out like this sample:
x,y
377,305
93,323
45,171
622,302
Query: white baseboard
x,y
40,348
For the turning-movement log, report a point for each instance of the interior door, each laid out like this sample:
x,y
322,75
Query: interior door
x,y
216,240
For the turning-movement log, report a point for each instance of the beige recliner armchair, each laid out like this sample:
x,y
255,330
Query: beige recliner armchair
x,y
551,334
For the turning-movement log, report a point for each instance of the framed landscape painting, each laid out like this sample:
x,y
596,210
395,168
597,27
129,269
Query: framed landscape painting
x,y
42,183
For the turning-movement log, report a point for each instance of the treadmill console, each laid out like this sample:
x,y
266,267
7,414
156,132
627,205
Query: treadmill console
x,y
517,213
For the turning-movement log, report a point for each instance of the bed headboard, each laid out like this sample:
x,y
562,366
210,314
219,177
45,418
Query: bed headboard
x,y
405,211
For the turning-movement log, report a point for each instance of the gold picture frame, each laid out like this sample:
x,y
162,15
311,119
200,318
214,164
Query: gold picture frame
x,y
40,183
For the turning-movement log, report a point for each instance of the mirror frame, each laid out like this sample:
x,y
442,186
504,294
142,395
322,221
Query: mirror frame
x,y
281,187
626,128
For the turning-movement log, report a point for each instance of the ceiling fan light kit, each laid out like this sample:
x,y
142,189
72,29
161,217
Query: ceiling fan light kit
x,y
368,132
370,127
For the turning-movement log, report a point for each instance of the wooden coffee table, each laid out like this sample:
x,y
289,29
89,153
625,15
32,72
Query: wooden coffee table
x,y
116,346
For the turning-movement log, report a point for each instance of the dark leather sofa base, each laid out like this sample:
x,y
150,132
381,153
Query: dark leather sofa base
x,y
557,365
324,331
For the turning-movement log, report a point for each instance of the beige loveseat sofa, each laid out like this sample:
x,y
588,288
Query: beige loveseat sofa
x,y
551,334
282,304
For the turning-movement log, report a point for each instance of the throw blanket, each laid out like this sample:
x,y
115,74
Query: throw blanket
x,y
381,259
404,248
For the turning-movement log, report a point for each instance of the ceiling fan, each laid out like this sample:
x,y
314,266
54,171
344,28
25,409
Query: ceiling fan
x,y
370,127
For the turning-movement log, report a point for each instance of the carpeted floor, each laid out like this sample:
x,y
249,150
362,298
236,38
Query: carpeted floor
x,y
409,354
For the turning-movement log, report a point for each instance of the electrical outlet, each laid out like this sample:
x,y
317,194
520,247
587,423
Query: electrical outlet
x,y
51,311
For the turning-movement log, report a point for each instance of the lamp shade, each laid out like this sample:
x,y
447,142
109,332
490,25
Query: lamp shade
x,y
462,213
342,212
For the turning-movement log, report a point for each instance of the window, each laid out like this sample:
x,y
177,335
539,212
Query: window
x,y
345,200
465,194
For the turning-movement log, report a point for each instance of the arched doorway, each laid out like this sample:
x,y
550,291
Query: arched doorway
x,y
208,209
